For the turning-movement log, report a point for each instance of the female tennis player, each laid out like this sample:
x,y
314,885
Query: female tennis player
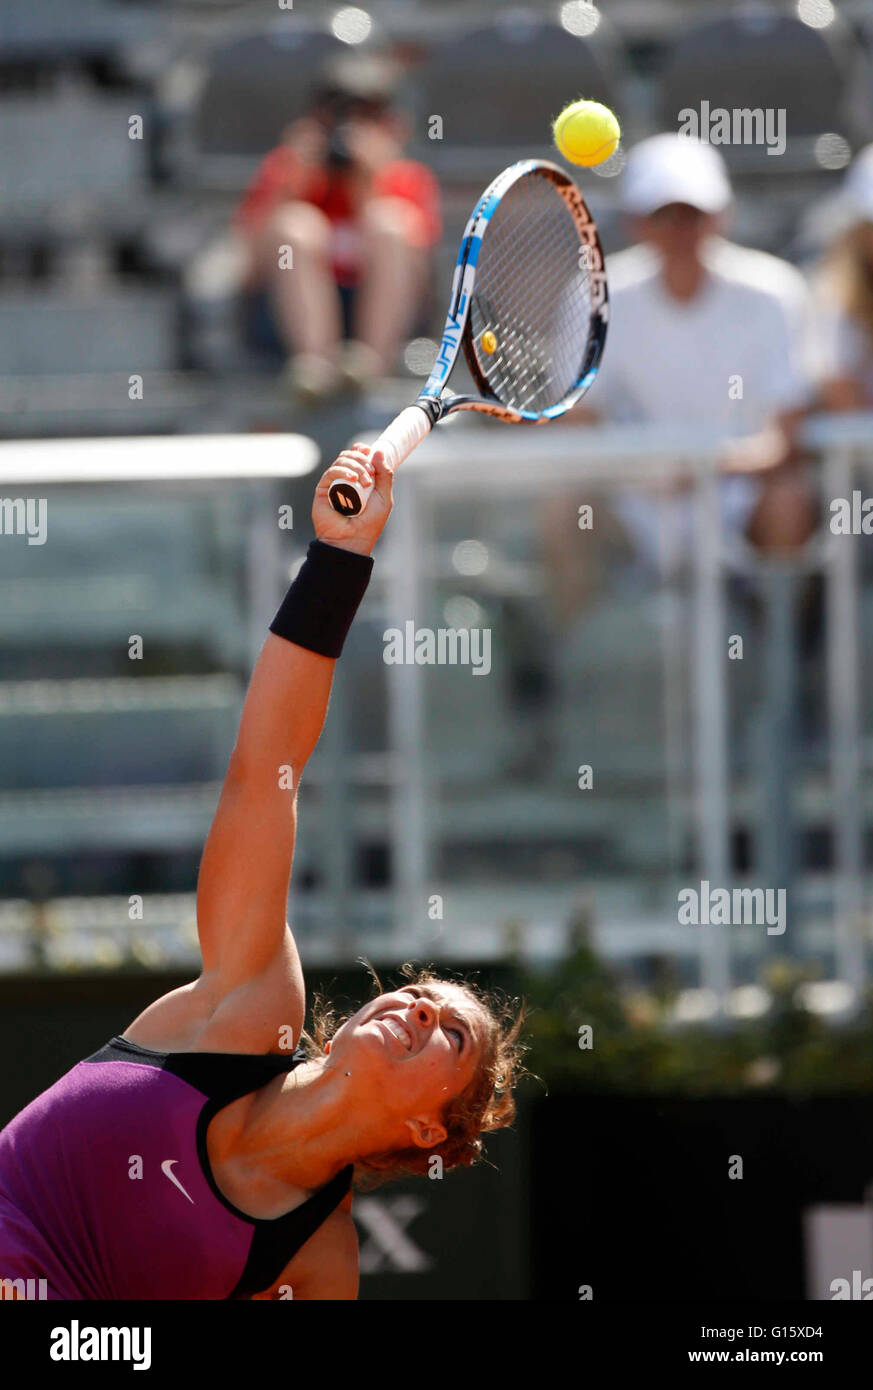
x,y
196,1156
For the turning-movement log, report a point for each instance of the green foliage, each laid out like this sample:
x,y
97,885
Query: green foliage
x,y
639,1048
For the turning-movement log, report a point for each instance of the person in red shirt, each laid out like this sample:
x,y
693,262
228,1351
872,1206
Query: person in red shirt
x,y
339,227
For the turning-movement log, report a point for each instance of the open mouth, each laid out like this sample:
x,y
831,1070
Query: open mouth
x,y
397,1029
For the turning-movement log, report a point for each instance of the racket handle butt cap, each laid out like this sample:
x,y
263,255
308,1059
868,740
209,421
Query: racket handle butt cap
x,y
348,497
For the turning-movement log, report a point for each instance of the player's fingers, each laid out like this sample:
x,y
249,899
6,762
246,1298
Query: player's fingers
x,y
384,477
356,458
359,452
348,472
362,471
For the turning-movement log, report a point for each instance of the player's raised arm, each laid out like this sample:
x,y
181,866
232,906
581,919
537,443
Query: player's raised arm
x,y
246,867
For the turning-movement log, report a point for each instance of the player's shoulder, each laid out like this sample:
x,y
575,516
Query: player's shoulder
x,y
757,274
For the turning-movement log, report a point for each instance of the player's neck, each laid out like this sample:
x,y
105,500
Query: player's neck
x,y
309,1129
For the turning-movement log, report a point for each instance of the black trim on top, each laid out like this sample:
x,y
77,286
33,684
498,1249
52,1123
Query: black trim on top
x,y
224,1077
276,1242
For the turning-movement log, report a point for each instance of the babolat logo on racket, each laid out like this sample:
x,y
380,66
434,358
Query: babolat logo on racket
x,y
593,256
599,303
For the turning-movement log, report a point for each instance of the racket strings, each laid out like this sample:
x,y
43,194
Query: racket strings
x,y
533,293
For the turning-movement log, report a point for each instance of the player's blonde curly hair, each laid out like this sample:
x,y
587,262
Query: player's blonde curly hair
x,y
487,1103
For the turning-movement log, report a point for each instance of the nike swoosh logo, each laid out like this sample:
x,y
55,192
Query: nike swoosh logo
x,y
165,1169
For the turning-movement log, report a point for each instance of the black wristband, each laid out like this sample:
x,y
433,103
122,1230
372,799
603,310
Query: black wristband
x,y
321,604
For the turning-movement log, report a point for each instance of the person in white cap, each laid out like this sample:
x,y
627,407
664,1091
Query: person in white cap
x,y
844,291
707,333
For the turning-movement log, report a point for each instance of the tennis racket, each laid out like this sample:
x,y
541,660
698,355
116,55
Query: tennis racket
x,y
529,307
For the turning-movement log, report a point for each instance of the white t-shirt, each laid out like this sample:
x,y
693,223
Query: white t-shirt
x,y
729,359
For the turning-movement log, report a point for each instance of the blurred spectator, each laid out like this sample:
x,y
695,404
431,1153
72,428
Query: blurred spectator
x,y
705,332
360,220
844,293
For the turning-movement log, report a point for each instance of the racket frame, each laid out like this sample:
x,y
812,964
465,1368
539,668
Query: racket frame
x,y
433,403
457,335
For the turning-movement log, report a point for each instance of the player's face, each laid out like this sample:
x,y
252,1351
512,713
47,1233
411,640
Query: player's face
x,y
418,1046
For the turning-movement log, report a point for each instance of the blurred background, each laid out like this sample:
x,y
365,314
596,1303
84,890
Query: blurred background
x,y
534,827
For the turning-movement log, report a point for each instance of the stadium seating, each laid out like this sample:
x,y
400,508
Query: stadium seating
x,y
767,60
135,730
113,566
45,32
459,77
252,86
67,163
51,331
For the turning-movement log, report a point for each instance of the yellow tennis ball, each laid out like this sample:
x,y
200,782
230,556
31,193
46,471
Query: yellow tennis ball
x,y
586,133
488,341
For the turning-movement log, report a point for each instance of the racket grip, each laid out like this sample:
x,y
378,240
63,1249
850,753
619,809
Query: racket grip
x,y
396,443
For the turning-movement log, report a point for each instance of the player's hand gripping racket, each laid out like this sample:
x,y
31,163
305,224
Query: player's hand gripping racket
x,y
529,306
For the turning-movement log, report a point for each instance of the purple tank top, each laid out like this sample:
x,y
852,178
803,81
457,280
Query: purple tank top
x,y
106,1190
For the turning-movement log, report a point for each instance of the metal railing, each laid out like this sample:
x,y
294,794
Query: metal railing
x,y
400,789
474,463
